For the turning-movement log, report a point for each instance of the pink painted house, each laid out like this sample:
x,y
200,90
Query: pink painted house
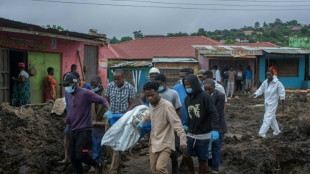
x,y
40,48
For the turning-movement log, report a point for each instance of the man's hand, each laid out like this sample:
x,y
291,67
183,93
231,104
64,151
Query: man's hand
x,y
183,149
139,126
283,107
252,96
214,135
108,115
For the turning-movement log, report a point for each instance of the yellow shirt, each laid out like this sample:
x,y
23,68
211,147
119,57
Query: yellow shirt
x,y
165,122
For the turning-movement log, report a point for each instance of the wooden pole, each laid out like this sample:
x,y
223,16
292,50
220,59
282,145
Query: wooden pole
x,y
78,53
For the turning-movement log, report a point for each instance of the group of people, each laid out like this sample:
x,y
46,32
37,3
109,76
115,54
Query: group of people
x,y
232,79
21,94
188,120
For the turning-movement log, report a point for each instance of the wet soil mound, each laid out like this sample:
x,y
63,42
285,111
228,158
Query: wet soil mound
x,y
31,139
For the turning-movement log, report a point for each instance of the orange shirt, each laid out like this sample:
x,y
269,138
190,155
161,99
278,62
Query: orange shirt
x,y
53,81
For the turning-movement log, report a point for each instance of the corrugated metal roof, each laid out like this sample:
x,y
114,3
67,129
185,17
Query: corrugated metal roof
x,y
133,64
234,50
229,50
31,27
148,48
173,60
287,50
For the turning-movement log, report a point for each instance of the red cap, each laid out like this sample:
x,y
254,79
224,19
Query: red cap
x,y
21,64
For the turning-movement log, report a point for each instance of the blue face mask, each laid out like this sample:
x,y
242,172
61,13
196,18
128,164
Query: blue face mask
x,y
96,89
69,89
189,90
161,88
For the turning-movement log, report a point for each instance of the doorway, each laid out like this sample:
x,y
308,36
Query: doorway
x,y
90,61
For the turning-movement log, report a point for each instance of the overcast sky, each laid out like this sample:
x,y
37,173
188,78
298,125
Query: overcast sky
x,y
122,21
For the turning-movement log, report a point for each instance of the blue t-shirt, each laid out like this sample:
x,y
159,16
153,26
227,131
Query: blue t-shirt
x,y
248,74
182,94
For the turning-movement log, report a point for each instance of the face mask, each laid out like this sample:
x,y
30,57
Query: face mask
x,y
161,88
69,89
189,90
96,89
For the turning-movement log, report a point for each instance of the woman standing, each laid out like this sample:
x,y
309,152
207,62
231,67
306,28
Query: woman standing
x,y
50,91
21,89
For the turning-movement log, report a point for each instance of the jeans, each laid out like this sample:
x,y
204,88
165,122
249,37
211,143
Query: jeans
x,y
96,149
216,153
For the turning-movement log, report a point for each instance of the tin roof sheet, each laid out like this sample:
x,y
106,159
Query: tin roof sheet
x,y
174,60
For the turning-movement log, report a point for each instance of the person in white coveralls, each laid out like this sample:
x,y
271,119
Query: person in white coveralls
x,y
272,89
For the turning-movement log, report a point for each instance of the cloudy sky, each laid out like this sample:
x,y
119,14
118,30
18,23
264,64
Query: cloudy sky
x,y
122,17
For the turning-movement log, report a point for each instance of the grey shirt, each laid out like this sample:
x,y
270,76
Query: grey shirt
x,y
172,96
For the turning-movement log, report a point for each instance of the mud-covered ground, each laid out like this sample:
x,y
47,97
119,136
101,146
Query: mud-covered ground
x,y
31,140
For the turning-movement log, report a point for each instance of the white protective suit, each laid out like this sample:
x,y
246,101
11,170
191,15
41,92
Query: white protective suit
x,y
271,92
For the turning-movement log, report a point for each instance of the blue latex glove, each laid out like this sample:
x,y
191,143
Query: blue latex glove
x,y
108,114
185,128
140,126
214,135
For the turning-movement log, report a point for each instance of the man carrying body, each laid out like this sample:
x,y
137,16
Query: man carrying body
x,y
67,129
98,121
272,89
80,121
219,100
173,97
165,122
202,123
120,95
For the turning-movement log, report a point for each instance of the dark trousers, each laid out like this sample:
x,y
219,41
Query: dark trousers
x,y
80,143
238,85
216,153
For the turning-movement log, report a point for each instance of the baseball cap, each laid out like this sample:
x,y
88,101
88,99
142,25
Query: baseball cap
x,y
200,73
154,70
69,78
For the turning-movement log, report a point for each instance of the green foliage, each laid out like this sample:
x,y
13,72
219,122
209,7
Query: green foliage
x,y
137,34
277,32
114,40
56,27
177,34
127,38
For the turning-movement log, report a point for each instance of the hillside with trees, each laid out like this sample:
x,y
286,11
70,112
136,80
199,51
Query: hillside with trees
x,y
277,32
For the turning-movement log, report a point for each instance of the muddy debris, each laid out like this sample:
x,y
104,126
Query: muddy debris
x,y
31,140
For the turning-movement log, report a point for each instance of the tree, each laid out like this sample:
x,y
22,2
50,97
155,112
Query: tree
x,y
256,25
56,27
200,32
176,34
126,38
137,34
278,21
114,40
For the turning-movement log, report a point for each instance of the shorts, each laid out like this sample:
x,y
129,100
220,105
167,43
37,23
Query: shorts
x,y
67,130
198,148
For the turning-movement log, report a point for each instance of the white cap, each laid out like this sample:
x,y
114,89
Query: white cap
x,y
154,70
